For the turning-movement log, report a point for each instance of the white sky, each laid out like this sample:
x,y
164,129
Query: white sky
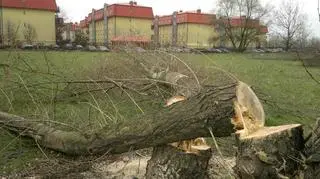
x,y
77,9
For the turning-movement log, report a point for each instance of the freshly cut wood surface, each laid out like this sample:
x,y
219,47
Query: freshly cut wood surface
x,y
268,131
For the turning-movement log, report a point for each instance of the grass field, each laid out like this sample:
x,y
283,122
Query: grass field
x,y
287,92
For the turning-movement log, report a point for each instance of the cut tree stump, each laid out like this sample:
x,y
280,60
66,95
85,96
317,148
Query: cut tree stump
x,y
271,152
170,162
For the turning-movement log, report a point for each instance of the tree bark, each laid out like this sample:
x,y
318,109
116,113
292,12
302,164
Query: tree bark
x,y
211,108
170,162
312,152
271,152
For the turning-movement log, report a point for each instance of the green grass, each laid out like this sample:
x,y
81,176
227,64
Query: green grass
x,y
287,92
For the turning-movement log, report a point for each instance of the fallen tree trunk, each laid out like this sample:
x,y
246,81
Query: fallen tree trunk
x,y
211,108
270,152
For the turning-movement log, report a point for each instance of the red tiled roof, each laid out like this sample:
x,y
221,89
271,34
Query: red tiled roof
x,y
48,5
130,11
124,10
72,26
165,20
84,23
188,17
75,27
130,39
242,22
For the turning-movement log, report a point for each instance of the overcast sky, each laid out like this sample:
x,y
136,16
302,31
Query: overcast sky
x,y
78,9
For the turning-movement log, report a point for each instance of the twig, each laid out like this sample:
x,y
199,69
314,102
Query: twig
x,y
218,149
9,101
41,150
190,69
83,92
119,85
306,69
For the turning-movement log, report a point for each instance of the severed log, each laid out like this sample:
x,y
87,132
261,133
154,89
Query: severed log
x,y
211,108
170,162
270,152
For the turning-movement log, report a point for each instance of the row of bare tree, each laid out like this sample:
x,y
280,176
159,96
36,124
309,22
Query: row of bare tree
x,y
287,24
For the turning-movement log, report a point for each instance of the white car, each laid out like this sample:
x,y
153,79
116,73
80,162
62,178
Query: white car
x,y
140,50
92,48
26,46
103,49
79,47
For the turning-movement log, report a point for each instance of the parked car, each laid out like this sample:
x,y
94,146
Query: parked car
x,y
186,50
103,49
276,50
258,50
218,50
224,50
268,50
79,47
202,50
176,49
55,47
214,50
92,48
69,47
26,46
140,50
